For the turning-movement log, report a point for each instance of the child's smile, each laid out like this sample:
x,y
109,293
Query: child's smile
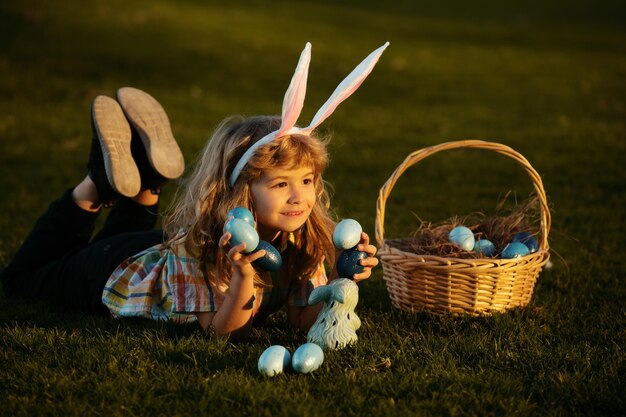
x,y
283,199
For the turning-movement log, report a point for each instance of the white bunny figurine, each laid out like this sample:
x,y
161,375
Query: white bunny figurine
x,y
337,323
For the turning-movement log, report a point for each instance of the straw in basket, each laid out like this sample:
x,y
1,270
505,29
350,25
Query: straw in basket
x,y
460,286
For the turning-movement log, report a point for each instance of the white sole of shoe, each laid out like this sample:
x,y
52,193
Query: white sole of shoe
x,y
150,119
114,134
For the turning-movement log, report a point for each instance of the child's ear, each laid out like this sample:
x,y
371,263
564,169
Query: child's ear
x,y
322,293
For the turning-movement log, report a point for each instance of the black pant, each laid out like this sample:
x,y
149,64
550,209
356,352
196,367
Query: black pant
x,y
60,263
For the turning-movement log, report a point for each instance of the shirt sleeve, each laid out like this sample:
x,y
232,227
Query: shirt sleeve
x,y
190,288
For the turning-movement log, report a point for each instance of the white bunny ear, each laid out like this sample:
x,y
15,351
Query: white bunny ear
x,y
292,106
294,97
294,100
344,90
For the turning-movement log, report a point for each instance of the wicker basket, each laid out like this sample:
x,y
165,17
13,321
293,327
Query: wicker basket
x,y
460,286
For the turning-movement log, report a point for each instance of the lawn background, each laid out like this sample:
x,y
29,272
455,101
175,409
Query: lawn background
x,y
545,79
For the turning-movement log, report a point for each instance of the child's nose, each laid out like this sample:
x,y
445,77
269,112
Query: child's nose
x,y
296,196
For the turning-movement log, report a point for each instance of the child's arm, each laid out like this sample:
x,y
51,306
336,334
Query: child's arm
x,y
234,316
304,317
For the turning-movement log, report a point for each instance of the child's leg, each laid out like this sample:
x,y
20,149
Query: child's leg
x,y
66,227
82,276
57,264
63,228
129,216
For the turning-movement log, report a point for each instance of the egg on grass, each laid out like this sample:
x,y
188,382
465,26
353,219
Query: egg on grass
x,y
307,358
274,360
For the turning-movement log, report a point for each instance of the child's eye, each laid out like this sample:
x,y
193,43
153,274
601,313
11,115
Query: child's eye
x,y
308,181
280,185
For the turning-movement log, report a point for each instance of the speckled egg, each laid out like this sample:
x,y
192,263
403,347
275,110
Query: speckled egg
x,y
347,234
271,261
514,250
348,263
528,240
241,232
274,360
463,237
241,213
484,247
307,358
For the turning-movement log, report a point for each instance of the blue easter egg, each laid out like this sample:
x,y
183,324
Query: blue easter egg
x,y
484,247
514,250
241,213
274,360
463,237
528,240
271,261
348,263
307,358
241,232
347,234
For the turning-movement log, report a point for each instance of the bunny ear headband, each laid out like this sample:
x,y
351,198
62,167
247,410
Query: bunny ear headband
x,y
294,99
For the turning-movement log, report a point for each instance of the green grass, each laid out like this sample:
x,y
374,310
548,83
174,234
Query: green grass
x,y
545,79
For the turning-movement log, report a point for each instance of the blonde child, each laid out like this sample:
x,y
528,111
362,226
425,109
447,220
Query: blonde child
x,y
264,163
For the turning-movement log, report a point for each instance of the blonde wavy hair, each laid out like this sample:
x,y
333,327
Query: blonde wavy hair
x,y
199,212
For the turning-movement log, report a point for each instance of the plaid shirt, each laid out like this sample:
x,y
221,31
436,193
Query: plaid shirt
x,y
167,284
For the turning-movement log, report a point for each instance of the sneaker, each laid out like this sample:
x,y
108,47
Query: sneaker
x,y
111,165
160,159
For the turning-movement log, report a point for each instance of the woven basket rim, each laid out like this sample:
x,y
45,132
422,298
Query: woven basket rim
x,y
387,249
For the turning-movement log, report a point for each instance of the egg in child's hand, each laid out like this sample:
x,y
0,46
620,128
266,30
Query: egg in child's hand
x,y
242,232
271,261
463,237
484,247
274,360
307,358
241,213
348,263
528,240
347,234
514,250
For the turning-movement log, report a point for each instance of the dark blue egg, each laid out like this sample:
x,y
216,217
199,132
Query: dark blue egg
x,y
348,263
241,213
528,240
271,261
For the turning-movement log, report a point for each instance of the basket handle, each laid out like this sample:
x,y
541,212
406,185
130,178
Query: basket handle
x,y
418,155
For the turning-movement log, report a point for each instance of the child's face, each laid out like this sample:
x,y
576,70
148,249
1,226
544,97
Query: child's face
x,y
283,199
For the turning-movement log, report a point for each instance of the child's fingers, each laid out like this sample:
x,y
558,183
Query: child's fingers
x,y
369,262
364,245
224,239
369,249
235,252
363,275
256,255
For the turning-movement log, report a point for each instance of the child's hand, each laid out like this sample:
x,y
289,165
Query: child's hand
x,y
240,261
369,262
